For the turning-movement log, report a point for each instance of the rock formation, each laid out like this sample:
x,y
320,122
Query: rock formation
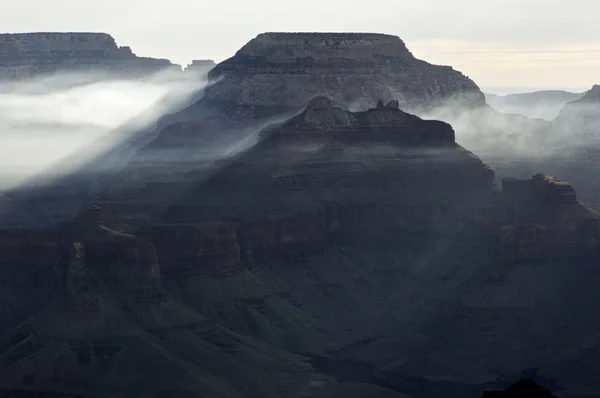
x,y
107,326
288,69
27,55
345,250
274,75
200,65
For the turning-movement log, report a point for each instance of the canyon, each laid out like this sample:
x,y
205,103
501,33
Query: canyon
x,y
303,229
350,226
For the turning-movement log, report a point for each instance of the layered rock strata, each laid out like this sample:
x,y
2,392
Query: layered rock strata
x,y
27,55
272,78
351,238
289,69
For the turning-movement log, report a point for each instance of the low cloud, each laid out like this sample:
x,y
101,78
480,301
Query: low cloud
x,y
53,125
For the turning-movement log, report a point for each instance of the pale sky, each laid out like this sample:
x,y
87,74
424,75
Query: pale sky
x,y
501,44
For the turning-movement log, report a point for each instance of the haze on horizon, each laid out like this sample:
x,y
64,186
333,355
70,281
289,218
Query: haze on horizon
x,y
504,45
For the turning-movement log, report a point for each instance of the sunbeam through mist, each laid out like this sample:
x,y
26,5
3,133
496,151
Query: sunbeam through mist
x,y
51,126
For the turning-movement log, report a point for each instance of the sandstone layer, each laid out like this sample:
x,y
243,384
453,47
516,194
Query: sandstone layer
x,y
27,55
288,69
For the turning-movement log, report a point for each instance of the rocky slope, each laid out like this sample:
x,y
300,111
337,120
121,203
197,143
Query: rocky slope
x,y
328,254
27,55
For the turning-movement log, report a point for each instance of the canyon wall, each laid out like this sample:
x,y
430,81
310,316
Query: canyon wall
x,y
289,69
27,55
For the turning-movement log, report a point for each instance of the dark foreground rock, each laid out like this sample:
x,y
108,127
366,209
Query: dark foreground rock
x,y
345,253
524,388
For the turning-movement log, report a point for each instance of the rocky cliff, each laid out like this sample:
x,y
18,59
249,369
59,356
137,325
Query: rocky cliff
x,y
274,75
202,65
93,318
321,175
342,253
27,55
288,69
346,252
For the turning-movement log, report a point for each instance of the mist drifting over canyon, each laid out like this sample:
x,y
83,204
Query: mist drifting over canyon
x,y
50,126
319,215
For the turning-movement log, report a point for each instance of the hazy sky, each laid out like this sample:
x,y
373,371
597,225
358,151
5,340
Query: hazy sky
x,y
498,43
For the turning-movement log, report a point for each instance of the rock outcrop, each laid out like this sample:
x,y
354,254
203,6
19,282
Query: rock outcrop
x,y
543,221
27,55
200,65
288,69
273,77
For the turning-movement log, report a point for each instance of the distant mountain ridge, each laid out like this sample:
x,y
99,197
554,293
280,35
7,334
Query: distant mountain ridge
x,y
27,55
544,104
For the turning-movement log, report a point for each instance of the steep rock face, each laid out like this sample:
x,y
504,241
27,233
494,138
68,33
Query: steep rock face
x,y
368,241
314,187
381,212
328,148
288,69
544,221
109,327
202,65
539,276
27,55
275,74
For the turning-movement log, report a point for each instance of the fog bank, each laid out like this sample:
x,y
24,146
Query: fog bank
x,y
53,125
